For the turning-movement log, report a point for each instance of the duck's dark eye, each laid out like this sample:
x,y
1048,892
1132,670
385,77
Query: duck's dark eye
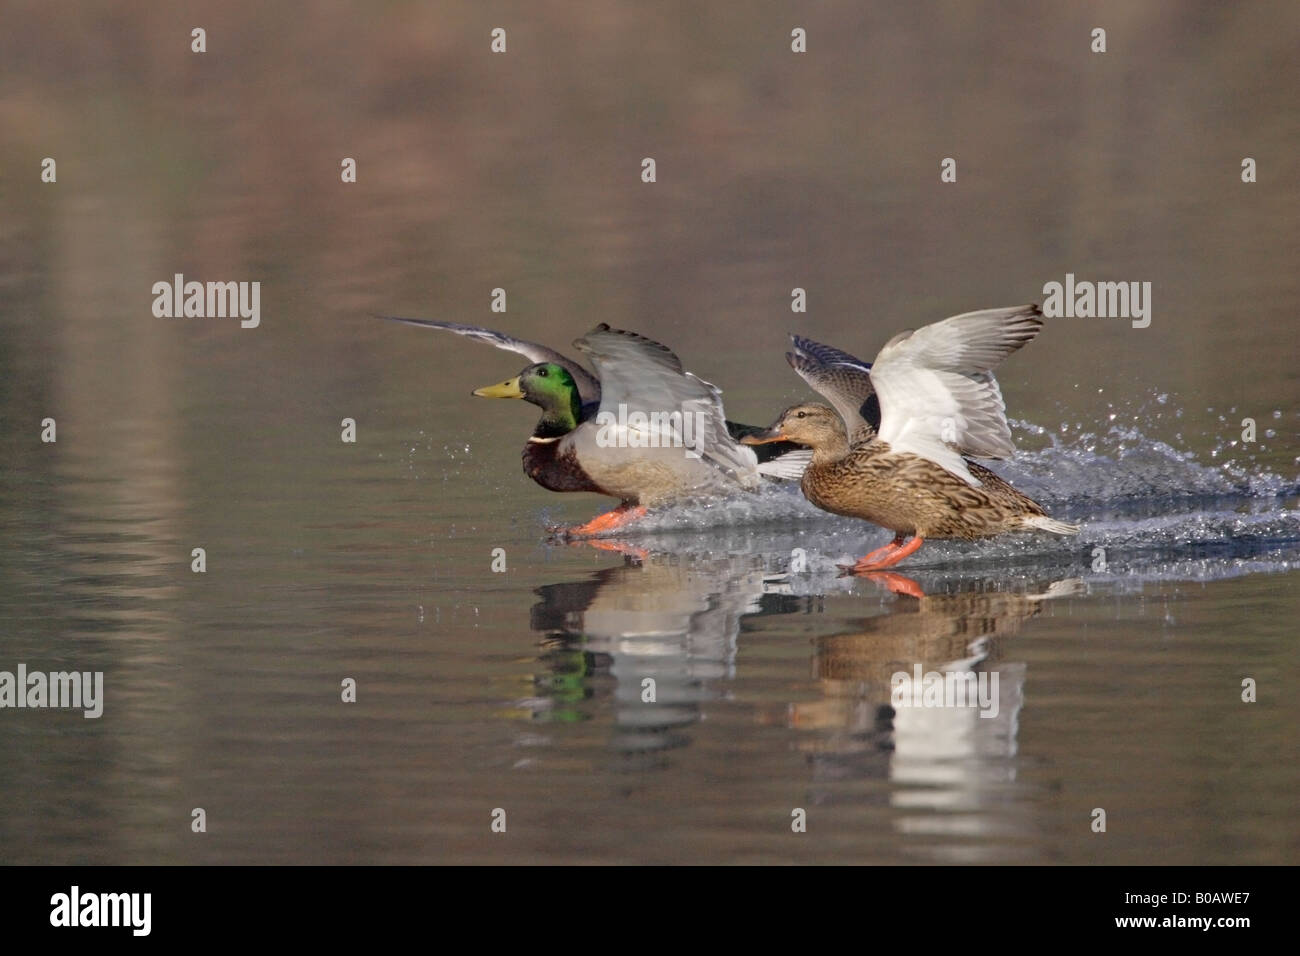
x,y
542,372
801,415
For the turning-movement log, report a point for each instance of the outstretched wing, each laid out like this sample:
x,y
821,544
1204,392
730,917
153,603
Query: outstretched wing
x,y
938,396
843,380
638,374
588,384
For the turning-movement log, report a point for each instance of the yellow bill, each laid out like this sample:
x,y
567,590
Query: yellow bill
x,y
508,389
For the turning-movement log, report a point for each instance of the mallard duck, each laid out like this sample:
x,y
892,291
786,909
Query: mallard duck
x,y
938,403
642,429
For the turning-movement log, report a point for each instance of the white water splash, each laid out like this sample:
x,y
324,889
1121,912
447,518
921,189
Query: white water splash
x,y
1153,510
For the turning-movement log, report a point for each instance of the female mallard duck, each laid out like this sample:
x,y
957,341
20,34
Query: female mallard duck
x,y
645,431
938,402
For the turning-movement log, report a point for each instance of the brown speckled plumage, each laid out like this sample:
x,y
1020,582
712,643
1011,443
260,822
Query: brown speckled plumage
x,y
911,495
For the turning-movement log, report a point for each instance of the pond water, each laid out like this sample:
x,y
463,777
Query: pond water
x,y
1119,655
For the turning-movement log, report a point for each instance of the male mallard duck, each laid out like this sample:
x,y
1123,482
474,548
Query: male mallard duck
x,y
645,431
938,402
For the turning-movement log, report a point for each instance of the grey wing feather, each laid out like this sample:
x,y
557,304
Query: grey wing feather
x,y
588,384
843,380
643,375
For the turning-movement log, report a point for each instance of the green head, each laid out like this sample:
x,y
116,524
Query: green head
x,y
548,386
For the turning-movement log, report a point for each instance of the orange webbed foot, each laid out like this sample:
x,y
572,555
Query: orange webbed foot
x,y
874,555
889,555
620,517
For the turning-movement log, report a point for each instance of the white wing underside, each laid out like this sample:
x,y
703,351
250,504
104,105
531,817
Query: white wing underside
x,y
788,467
938,397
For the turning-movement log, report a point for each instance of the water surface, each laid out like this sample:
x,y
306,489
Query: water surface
x,y
1120,654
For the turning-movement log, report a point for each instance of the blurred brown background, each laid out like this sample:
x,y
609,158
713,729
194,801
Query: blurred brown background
x,y
521,170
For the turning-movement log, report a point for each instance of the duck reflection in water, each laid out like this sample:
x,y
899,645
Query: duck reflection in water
x,y
672,619
674,616
888,710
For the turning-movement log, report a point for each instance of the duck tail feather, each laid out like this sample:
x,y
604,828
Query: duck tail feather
x,y
1044,523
